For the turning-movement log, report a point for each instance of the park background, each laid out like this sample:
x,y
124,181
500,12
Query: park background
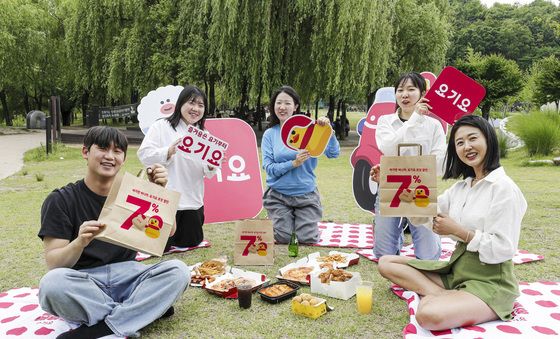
x,y
336,53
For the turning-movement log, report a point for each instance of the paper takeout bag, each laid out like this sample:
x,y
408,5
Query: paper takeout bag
x,y
408,185
254,242
138,214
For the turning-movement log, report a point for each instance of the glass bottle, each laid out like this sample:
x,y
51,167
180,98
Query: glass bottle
x,y
293,246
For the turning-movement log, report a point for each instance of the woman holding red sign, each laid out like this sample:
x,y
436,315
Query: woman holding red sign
x,y
292,199
484,213
409,124
186,175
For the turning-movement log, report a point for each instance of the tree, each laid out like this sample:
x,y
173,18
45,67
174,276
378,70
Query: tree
x,y
421,37
520,33
502,78
547,81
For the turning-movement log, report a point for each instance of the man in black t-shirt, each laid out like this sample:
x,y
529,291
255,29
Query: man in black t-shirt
x,y
95,283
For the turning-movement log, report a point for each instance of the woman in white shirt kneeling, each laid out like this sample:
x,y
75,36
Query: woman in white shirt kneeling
x,y
484,213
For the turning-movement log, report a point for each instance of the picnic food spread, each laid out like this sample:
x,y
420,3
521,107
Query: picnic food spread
x,y
228,284
333,257
335,275
298,273
212,267
207,271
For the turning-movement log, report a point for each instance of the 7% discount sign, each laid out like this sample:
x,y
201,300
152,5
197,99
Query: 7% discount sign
x,y
408,185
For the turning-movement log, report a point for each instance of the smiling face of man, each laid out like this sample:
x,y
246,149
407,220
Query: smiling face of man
x,y
103,162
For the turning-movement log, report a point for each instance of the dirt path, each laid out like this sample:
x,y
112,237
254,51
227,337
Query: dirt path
x,y
12,148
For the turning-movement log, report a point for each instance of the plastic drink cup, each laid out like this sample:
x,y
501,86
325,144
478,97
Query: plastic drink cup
x,y
244,295
364,297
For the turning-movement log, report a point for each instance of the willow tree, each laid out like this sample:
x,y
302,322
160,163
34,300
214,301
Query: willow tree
x,y
90,38
146,52
421,36
27,54
350,48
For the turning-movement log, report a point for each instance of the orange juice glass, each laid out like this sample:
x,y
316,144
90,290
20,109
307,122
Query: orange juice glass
x,y
364,297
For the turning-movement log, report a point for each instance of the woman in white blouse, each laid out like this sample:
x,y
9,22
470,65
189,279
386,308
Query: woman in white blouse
x,y
484,213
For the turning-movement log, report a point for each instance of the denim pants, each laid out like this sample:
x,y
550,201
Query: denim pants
x,y
126,295
389,237
299,213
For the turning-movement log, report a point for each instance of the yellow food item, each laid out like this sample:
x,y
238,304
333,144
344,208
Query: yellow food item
x,y
276,290
333,257
211,267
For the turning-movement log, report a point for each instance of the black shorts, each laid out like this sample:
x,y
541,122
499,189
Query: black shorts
x,y
189,228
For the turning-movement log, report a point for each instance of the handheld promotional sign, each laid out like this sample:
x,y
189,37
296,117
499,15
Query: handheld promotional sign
x,y
203,145
454,94
301,132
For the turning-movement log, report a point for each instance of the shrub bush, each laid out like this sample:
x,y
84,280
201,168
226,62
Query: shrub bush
x,y
503,144
540,131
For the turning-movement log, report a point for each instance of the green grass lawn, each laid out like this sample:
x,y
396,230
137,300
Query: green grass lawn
x,y
201,314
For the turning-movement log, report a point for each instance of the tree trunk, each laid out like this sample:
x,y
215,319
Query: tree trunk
x,y
338,107
85,102
369,98
316,109
7,115
26,100
486,110
259,111
243,102
330,113
66,111
212,96
344,133
37,100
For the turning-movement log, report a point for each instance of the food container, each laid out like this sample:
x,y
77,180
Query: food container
x,y
282,297
235,273
350,259
336,289
310,311
301,263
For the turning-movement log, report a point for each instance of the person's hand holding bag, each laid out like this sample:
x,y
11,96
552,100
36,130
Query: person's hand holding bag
x,y
157,174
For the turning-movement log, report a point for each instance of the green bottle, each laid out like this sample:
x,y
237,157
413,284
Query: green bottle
x,y
293,246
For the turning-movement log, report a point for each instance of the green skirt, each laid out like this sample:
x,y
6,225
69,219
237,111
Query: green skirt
x,y
495,284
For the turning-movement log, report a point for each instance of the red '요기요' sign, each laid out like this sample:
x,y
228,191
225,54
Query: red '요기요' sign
x,y
454,94
235,192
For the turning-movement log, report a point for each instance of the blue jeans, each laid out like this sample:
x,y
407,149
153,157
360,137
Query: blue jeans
x,y
126,295
389,237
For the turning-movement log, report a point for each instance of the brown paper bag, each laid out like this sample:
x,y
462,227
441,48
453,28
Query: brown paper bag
x,y
138,214
408,185
253,242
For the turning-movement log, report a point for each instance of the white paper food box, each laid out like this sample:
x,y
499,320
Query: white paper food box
x,y
351,259
307,261
340,290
